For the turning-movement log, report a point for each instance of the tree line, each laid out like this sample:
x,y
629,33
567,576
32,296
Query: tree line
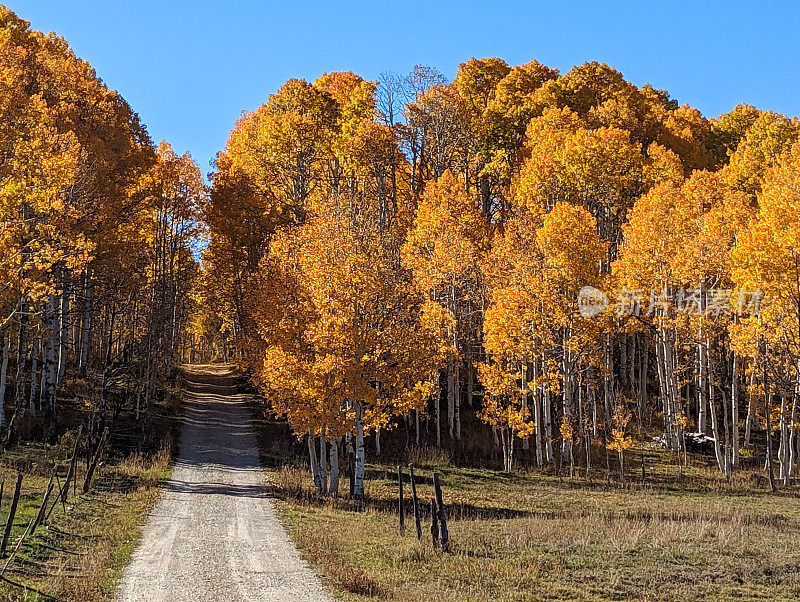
x,y
566,256
97,231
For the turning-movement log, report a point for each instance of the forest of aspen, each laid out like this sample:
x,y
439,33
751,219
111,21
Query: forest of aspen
x,y
532,271
411,254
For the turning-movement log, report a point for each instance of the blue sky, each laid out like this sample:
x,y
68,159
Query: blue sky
x,y
189,68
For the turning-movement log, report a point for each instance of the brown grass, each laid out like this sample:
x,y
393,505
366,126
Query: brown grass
x,y
683,534
534,537
81,552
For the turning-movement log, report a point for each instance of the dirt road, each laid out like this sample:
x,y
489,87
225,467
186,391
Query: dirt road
x,y
214,534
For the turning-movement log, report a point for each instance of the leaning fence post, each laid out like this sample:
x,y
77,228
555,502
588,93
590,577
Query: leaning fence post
x,y
73,466
401,505
414,501
48,490
442,515
11,512
56,500
88,482
434,524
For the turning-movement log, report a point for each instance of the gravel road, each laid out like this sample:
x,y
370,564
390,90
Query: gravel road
x,y
214,535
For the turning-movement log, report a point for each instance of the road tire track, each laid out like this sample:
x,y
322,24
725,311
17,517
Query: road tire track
x,y
214,534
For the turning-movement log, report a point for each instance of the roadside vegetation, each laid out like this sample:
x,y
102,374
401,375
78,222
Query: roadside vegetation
x,y
81,549
96,270
548,286
518,260
685,534
575,298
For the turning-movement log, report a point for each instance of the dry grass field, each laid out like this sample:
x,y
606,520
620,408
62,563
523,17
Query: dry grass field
x,y
81,551
683,535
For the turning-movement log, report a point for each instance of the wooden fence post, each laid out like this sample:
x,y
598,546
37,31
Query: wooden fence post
x,y
11,557
401,504
73,466
11,512
57,499
442,514
434,523
88,482
43,507
414,501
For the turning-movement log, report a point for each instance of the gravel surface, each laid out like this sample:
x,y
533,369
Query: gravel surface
x,y
214,534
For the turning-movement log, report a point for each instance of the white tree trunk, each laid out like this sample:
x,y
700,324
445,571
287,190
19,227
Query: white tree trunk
x,y
437,397
43,376
51,365
510,450
751,412
702,392
63,335
334,457
702,358
505,449
712,410
470,383
358,487
791,444
312,456
4,377
673,398
457,406
783,447
793,424
548,426
537,417
644,361
715,432
37,348
171,324
323,471
86,321
567,393
524,375
735,411
451,398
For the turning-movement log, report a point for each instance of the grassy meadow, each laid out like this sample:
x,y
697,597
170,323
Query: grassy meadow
x,y
80,553
684,534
